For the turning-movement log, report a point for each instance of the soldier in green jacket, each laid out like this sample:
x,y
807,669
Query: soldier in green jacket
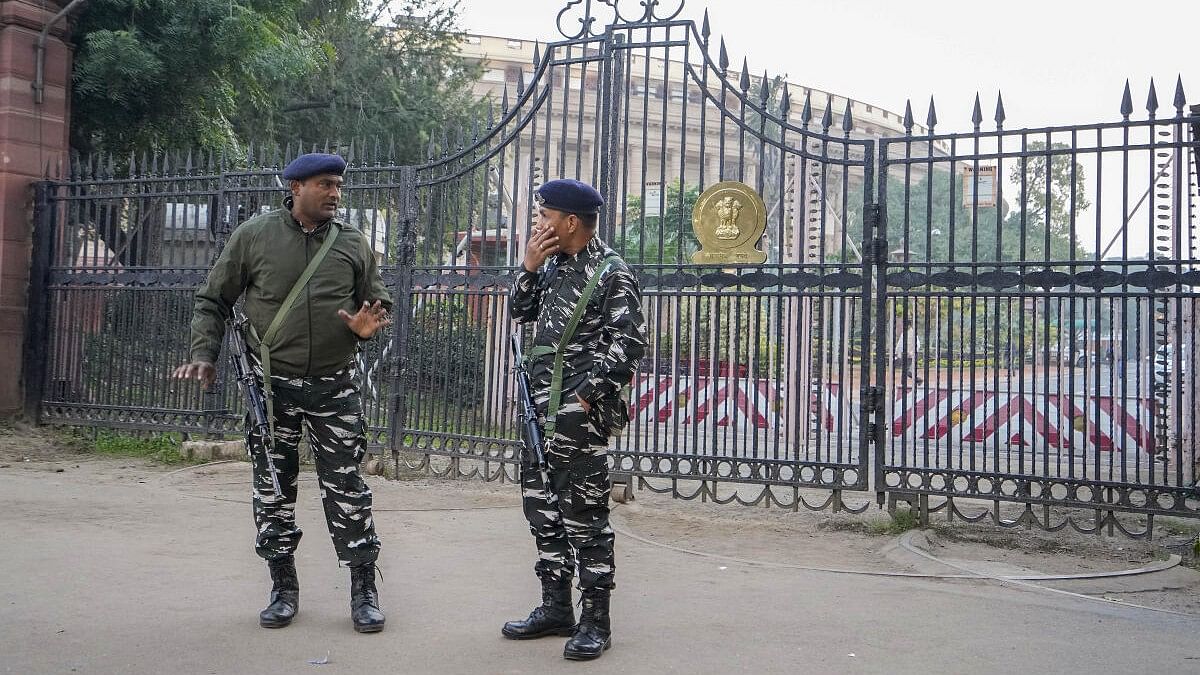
x,y
310,369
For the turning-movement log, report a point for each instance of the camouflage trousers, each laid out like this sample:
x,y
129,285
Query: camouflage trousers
x,y
331,409
570,523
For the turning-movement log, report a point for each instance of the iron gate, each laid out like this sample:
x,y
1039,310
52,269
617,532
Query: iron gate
x,y
753,372
951,337
1027,367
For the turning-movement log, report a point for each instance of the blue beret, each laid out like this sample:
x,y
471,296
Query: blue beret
x,y
314,164
569,195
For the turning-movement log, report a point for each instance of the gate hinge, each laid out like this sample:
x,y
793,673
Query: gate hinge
x,y
872,432
872,399
875,250
872,215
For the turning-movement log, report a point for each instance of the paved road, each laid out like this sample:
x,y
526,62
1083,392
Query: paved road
x,y
133,571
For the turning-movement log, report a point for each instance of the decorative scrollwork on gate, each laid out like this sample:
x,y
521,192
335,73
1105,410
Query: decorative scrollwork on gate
x,y
650,12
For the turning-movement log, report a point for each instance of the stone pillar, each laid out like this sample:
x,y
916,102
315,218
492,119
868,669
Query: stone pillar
x,y
32,137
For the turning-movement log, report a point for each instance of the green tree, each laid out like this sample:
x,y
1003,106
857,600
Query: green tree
x,y
401,84
664,239
154,75
166,74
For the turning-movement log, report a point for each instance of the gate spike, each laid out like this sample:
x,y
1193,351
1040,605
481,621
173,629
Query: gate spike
x,y
187,168
848,118
744,82
999,110
112,167
166,165
785,102
908,118
723,59
153,162
326,149
391,149
704,31
806,111
432,151
537,55
931,118
1152,99
827,118
491,114
521,84
133,166
350,156
1180,100
1126,102
475,127
764,93
976,113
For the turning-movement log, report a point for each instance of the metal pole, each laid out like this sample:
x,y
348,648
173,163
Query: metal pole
x,y
37,330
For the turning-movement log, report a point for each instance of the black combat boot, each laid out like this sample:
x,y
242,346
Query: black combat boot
x,y
594,633
555,616
285,594
364,599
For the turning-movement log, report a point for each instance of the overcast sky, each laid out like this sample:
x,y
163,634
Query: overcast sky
x,y
1056,61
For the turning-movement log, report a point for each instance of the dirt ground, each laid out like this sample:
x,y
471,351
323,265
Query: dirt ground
x,y
772,536
734,563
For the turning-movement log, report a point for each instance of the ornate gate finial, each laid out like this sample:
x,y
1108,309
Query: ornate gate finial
x,y
587,22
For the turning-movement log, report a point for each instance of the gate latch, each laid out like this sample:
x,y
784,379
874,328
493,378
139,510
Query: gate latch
x,y
872,399
875,250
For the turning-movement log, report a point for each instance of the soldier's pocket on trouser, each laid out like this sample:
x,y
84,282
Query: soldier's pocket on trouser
x,y
590,485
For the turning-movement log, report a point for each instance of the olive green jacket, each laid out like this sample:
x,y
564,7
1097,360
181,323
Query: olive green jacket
x,y
263,259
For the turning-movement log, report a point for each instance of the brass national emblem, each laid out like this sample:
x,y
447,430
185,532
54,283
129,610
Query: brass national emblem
x,y
729,219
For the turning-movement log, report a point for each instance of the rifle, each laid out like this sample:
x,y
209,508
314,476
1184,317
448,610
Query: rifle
x,y
255,400
532,436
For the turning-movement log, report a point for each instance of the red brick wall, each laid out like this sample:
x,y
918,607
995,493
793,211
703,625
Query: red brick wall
x,y
31,137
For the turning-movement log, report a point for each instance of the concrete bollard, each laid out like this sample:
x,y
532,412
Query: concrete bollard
x,y
209,451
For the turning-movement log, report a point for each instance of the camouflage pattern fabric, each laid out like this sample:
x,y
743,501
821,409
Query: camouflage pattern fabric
x,y
331,409
570,525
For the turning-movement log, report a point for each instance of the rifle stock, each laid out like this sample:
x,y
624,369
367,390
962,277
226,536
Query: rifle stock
x,y
532,439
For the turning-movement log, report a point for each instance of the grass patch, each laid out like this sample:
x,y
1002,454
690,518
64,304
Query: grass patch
x,y
898,523
901,521
162,448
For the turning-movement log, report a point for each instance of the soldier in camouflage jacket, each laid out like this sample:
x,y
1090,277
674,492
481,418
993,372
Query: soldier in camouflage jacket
x,y
569,518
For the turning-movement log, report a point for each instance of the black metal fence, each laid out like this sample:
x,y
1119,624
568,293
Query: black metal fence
x,y
1012,318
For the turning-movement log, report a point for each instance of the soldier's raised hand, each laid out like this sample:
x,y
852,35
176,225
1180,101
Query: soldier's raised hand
x,y
542,244
203,371
367,320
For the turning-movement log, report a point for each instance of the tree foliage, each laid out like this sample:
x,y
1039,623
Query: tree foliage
x,y
666,238
396,84
154,75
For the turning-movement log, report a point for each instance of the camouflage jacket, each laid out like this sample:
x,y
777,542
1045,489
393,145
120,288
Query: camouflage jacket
x,y
610,339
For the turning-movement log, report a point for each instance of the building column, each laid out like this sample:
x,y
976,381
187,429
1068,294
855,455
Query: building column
x,y
33,137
